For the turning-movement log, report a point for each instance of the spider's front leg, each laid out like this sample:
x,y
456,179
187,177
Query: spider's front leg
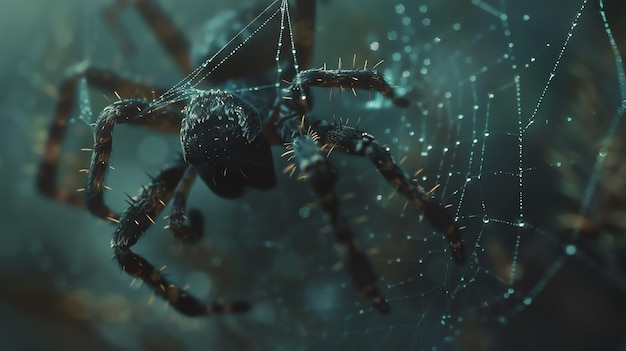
x,y
48,171
322,177
137,218
299,95
136,111
132,111
349,140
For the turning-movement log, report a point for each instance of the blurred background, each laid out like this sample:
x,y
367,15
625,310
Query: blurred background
x,y
542,207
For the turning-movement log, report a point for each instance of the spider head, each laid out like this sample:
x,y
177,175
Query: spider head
x,y
221,136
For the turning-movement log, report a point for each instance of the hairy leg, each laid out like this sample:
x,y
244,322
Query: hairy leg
x,y
322,177
135,221
349,140
131,111
68,96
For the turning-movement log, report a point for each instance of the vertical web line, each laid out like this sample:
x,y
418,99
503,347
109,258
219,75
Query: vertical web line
x,y
570,33
600,158
520,176
613,128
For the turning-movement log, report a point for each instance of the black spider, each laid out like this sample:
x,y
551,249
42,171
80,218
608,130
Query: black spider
x,y
226,139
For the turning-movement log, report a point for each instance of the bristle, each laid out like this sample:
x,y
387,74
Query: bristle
x,y
114,220
433,189
290,167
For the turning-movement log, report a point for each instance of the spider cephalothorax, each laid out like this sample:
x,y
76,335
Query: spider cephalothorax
x,y
226,137
221,138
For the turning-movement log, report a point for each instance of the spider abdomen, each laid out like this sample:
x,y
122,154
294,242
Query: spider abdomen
x,y
222,138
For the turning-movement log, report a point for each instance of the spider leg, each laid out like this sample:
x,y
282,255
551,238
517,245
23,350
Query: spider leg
x,y
193,231
136,220
132,111
98,78
170,36
322,177
349,140
298,99
299,96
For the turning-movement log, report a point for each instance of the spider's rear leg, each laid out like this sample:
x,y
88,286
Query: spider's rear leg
x,y
322,177
134,222
349,140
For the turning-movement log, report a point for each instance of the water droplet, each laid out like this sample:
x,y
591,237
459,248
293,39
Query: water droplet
x,y
304,212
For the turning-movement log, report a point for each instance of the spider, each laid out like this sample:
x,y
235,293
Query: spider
x,y
226,133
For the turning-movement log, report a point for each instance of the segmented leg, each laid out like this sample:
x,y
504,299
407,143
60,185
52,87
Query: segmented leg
x,y
298,93
193,231
126,111
170,36
135,220
322,177
351,141
298,100
68,94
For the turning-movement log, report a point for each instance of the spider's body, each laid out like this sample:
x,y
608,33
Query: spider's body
x,y
226,138
222,137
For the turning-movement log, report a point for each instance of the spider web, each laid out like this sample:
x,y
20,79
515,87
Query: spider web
x,y
515,121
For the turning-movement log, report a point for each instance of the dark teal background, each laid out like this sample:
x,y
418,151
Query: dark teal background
x,y
60,289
